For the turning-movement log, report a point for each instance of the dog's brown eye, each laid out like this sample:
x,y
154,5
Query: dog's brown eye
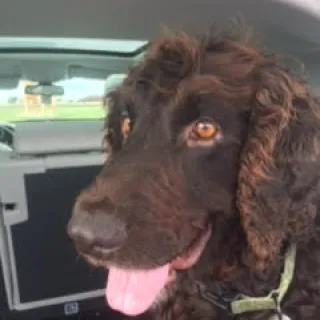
x,y
205,130
125,126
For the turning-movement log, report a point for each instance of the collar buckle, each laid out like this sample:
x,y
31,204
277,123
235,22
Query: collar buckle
x,y
217,299
279,314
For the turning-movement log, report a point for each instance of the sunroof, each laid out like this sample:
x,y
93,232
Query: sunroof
x,y
108,45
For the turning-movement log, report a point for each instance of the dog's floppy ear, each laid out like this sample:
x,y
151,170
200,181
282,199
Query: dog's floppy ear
x,y
280,165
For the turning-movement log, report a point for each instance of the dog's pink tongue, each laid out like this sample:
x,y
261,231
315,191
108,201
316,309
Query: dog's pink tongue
x,y
133,292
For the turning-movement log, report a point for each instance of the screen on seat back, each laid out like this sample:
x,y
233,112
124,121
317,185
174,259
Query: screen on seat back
x,y
46,261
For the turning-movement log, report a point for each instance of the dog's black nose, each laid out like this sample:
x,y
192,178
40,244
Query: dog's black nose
x,y
96,233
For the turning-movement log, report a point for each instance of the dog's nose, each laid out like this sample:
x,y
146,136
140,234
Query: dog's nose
x,y
96,233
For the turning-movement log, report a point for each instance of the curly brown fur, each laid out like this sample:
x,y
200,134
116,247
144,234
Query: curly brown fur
x,y
256,187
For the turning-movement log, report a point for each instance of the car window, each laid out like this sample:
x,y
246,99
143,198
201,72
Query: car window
x,y
82,100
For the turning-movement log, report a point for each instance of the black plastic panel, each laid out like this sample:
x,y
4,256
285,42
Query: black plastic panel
x,y
47,264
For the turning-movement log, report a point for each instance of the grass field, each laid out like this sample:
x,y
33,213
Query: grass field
x,y
76,111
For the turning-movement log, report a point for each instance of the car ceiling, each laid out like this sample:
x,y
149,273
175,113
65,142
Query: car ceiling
x,y
287,26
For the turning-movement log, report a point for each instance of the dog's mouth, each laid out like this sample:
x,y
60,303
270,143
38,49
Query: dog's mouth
x,y
133,292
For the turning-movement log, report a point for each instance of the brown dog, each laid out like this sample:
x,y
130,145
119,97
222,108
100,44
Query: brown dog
x,y
206,206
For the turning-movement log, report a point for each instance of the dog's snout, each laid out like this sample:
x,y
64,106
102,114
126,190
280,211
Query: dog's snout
x,y
97,232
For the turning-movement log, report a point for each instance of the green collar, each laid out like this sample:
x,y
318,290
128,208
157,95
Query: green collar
x,y
242,303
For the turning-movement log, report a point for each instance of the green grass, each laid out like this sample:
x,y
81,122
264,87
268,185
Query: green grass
x,y
15,113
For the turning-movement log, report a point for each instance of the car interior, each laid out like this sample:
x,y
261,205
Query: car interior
x,y
87,47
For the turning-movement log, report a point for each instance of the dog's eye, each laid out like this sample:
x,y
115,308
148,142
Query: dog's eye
x,y
125,126
205,130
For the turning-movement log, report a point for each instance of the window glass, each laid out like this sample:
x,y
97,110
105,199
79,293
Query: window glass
x,y
82,100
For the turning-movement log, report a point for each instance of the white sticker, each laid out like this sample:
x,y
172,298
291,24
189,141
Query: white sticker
x,y
71,308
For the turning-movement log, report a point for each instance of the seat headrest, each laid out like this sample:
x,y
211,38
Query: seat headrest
x,y
47,137
113,81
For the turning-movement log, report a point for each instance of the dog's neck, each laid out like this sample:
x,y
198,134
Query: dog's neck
x,y
230,273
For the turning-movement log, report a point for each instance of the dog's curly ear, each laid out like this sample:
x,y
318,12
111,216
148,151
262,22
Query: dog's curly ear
x,y
279,176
